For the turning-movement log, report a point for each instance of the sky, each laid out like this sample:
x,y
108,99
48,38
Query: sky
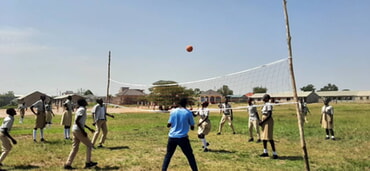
x,y
54,46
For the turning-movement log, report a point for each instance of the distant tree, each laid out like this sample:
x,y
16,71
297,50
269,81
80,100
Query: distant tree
x,y
167,93
308,87
329,87
346,89
6,98
225,91
88,92
259,90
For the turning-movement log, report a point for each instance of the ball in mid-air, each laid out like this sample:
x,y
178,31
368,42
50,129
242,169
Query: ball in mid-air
x,y
189,48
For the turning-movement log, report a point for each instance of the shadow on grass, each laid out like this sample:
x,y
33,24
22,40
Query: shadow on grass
x,y
107,168
220,151
118,147
25,167
290,158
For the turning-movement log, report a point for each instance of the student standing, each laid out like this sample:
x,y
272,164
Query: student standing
x,y
80,135
227,115
304,109
49,114
4,134
253,121
181,119
99,113
204,125
267,124
327,119
22,110
66,120
40,117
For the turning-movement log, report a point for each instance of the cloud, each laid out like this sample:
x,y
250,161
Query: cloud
x,y
21,42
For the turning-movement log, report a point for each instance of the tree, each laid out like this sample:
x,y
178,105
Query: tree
x,y
6,98
225,91
259,90
167,93
88,92
308,87
329,87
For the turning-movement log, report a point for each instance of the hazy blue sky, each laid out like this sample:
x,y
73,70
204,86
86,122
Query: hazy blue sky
x,y
52,46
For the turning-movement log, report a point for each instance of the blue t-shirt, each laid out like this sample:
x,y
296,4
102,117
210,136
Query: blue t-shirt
x,y
181,119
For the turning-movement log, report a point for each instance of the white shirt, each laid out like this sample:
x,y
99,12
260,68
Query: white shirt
x,y
69,104
7,123
39,105
226,109
266,108
81,111
203,113
99,112
327,110
252,110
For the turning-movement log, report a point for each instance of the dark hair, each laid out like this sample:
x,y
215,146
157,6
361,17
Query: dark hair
x,y
205,104
10,111
183,102
81,102
266,96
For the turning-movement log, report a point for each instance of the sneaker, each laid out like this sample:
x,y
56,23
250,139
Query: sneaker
x,y
205,150
68,167
264,155
275,156
259,140
219,133
327,138
250,140
333,139
42,140
34,140
100,146
90,164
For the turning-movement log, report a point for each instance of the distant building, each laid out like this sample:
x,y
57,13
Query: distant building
x,y
31,98
309,97
59,101
211,96
346,96
129,96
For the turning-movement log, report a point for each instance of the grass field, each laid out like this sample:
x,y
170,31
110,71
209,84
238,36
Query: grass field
x,y
137,141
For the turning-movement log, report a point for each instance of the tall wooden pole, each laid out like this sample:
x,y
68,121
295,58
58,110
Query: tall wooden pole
x,y
108,97
299,114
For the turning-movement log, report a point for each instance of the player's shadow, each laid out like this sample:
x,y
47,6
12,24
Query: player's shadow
x,y
292,158
220,151
25,167
118,147
107,168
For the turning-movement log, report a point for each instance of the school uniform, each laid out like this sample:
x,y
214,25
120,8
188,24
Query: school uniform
x,y
327,121
227,116
6,144
205,127
49,114
22,110
66,119
40,117
253,121
268,126
100,120
78,137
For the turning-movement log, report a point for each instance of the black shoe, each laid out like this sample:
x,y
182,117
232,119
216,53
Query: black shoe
x,y
42,140
68,167
259,140
234,132
327,138
90,164
205,150
333,139
100,146
250,140
219,133
264,155
275,156
34,140
1,164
